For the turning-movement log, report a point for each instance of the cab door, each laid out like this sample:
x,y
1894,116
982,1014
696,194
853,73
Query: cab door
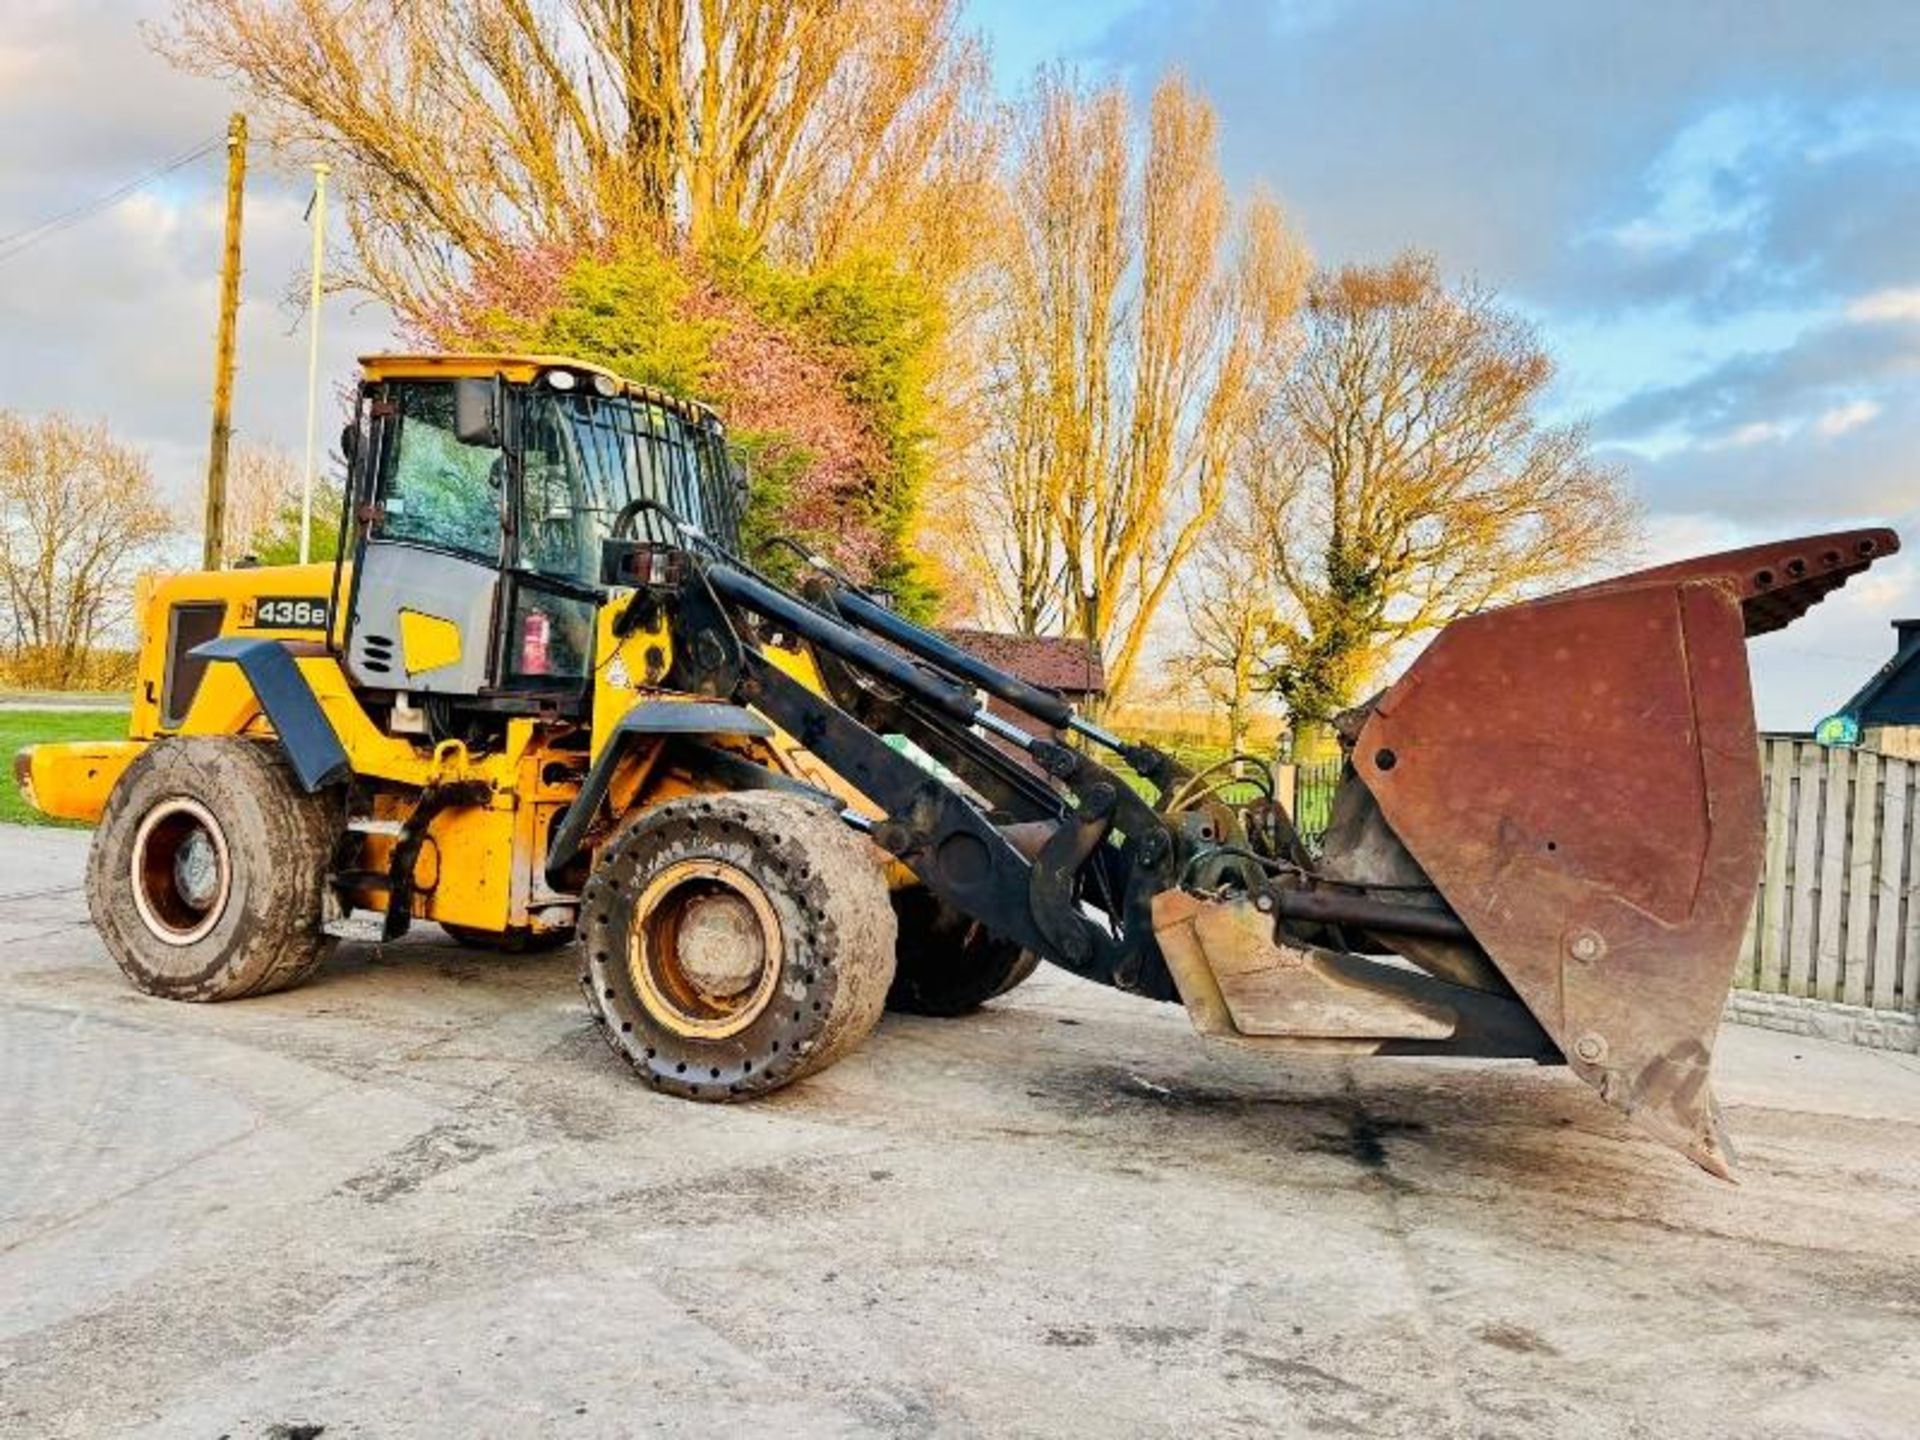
x,y
426,592
551,594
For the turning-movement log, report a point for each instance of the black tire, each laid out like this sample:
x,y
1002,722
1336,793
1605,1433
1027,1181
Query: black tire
x,y
785,967
517,941
947,964
207,877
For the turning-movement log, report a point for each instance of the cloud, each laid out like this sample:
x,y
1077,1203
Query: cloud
x,y
1828,372
1842,418
1897,304
1754,432
1794,479
1500,132
114,318
1759,200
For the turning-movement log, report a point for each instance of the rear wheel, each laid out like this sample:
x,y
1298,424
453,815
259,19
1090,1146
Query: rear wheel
x,y
948,964
207,878
735,943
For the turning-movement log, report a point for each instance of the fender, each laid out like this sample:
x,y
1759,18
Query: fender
x,y
306,735
648,717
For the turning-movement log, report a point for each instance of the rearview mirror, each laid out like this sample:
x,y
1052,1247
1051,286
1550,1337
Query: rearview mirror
x,y
478,407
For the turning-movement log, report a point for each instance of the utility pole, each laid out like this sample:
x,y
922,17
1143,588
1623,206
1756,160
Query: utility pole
x,y
319,211
213,546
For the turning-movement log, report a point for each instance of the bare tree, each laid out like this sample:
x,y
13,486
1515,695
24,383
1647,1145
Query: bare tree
x,y
262,481
472,131
1230,596
78,513
1138,334
1415,483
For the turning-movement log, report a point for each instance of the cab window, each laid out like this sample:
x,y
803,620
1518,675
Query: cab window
x,y
561,522
436,490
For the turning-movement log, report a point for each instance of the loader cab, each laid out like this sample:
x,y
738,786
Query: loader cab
x,y
482,489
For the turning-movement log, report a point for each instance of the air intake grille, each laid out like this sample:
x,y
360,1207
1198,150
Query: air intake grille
x,y
376,654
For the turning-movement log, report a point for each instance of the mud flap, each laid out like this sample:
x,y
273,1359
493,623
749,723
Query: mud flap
x,y
1580,777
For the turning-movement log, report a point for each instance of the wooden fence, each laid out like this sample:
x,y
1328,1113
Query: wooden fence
x,y
1838,913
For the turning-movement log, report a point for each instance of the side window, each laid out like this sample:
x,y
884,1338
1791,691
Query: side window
x,y
550,637
436,490
190,624
559,527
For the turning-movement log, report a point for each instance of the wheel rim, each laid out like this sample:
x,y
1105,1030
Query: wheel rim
x,y
180,870
704,950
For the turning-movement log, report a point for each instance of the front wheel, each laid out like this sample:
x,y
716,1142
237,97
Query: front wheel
x,y
207,877
735,943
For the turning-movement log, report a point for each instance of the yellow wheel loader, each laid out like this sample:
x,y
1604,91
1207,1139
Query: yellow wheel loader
x,y
543,699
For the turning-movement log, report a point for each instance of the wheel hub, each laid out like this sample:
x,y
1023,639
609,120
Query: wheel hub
x,y
181,872
721,948
196,870
704,950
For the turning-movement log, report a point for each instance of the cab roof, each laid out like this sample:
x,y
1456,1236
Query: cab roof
x,y
521,370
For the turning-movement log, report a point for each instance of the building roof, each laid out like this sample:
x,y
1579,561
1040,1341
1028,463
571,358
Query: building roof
x,y
1052,661
1890,697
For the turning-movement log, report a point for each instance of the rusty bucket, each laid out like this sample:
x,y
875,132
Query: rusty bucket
x,y
1579,777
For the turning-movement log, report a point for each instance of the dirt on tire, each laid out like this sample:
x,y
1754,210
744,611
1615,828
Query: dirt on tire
x,y
276,846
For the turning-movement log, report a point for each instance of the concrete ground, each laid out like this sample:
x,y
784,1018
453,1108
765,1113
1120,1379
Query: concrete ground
x,y
418,1197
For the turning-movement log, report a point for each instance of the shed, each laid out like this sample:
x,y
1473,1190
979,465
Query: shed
x,y
1052,662
1884,713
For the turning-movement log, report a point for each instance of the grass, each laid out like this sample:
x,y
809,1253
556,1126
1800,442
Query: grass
x,y
34,727
1314,784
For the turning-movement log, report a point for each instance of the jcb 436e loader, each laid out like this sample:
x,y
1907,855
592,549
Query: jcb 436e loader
x,y
543,698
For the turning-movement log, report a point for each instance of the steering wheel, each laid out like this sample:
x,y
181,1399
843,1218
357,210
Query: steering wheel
x,y
633,509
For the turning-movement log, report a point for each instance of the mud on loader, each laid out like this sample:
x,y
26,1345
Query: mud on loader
x,y
542,697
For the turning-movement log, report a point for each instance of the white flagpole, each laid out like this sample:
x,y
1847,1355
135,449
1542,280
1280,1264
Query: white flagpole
x,y
320,172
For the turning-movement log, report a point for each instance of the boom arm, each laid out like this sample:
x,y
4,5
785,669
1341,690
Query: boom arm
x,y
1107,846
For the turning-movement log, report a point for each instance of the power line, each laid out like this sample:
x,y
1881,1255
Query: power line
x,y
13,244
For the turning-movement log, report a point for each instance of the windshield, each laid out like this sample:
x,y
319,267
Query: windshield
x,y
633,449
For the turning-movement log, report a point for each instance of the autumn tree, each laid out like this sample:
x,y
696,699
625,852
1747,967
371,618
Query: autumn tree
x,y
1414,481
79,512
1139,331
469,131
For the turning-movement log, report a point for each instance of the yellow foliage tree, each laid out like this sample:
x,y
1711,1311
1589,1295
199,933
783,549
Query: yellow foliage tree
x,y
472,130
1412,481
79,512
1139,330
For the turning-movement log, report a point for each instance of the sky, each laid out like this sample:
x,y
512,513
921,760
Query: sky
x,y
1709,210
